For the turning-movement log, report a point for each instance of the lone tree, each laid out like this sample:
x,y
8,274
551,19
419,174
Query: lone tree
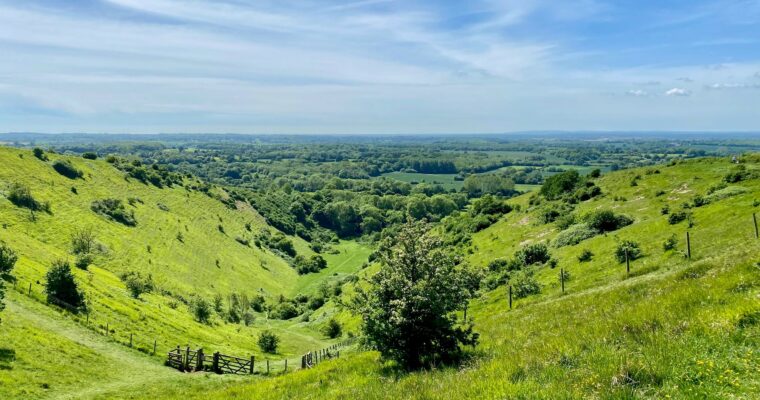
x,y
61,286
268,342
8,259
408,312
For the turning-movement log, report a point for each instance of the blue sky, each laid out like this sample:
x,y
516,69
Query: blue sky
x,y
378,66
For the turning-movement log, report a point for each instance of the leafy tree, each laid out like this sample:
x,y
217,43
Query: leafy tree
x,y
557,185
408,312
201,309
268,342
40,154
524,283
8,260
60,286
82,241
333,329
67,169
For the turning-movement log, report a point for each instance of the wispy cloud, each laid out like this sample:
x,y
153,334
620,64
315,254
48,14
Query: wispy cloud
x,y
679,92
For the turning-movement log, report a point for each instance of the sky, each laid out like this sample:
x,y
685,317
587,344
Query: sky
x,y
378,66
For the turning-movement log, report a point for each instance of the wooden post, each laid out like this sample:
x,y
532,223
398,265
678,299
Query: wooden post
x,y
187,359
688,245
754,220
562,278
130,340
30,289
286,365
108,331
155,343
627,262
199,360
253,360
267,366
510,297
215,365
303,362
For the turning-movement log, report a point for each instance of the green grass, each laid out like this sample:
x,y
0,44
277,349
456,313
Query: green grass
x,y
179,268
674,328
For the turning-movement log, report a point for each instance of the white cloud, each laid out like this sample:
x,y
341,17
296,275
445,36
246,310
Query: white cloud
x,y
719,86
637,93
678,92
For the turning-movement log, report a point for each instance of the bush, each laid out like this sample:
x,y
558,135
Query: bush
x,y
258,302
82,241
585,256
8,259
537,253
524,284
737,174
137,284
114,209
201,310
606,221
574,235
21,196
61,287
268,342
677,217
491,205
333,329
560,184
284,310
67,169
90,155
634,251
83,261
39,153
304,265
670,243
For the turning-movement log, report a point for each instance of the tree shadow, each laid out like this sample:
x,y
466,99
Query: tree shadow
x,y
7,356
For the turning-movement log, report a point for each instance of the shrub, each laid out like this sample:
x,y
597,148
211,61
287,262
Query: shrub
x,y
83,261
633,251
284,310
333,329
67,169
677,217
82,241
21,196
406,295
585,256
114,209
670,243
606,221
557,185
248,318
551,212
268,342
737,174
258,302
665,210
304,265
524,284
574,235
137,284
8,259
595,173
489,204
201,309
61,287
536,253
39,153
90,155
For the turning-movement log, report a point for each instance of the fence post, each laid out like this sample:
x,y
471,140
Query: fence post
x,y
108,331
215,365
253,359
267,366
303,362
627,262
754,220
562,278
286,365
688,245
510,297
199,361
130,340
187,359
30,289
155,342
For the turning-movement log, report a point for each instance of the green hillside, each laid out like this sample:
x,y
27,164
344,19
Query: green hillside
x,y
207,261
673,328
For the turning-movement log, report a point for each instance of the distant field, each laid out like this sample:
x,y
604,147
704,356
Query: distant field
x,y
445,180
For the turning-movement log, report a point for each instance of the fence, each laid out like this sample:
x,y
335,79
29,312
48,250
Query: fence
x,y
189,360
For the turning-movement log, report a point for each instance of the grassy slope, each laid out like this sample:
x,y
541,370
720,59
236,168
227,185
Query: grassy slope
x,y
182,268
672,329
